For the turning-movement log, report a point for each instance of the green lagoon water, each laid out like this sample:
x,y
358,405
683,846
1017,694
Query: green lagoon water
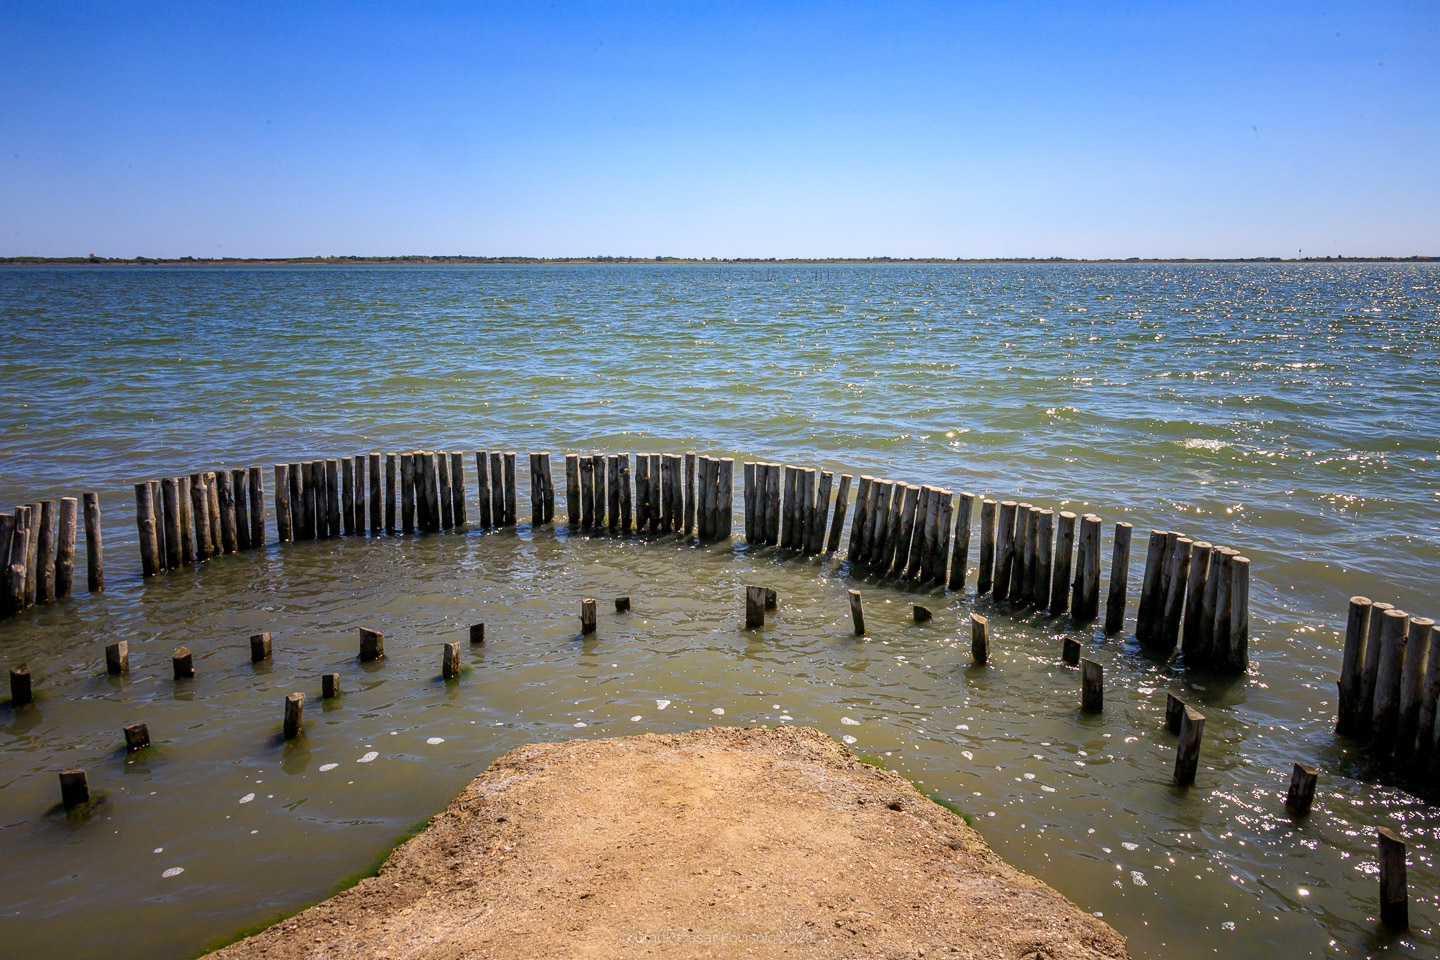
x,y
1287,410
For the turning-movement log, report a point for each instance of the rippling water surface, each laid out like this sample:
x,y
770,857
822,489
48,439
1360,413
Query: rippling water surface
x,y
1287,410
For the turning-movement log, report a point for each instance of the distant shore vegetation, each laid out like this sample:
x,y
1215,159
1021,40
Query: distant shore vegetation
x,y
445,259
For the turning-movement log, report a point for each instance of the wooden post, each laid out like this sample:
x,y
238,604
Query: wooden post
x,y
283,529
770,490
260,647
477,633
361,463
1174,712
510,488
960,558
433,499
612,491
1191,636
450,661
1394,887
669,478
705,498
242,508
1239,648
392,470
20,693
32,520
772,599
137,737
15,572
1302,789
1085,604
182,664
921,614
725,497
547,488
407,493
878,523
299,479
1394,635
915,562
7,537
587,493
1044,558
1176,579
255,481
857,524
1064,557
447,496
657,493
622,604
979,639
94,551
750,500
225,499
294,714
625,496
754,607
1070,652
985,576
456,476
1005,551
642,492
1366,704
1412,688
601,495
145,523
572,489
159,508
940,545
1023,572
65,546
187,537
1151,600
372,645
1119,580
1092,686
790,480
587,616
212,492
905,533
687,505
1429,706
422,490
1221,561
820,514
497,488
805,486
117,658
347,497
837,522
329,686
377,502
1187,753
857,616
74,789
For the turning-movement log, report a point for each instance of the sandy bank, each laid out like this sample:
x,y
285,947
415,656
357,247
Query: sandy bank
x,y
720,842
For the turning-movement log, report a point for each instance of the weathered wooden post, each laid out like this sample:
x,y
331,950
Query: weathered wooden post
x,y
407,493
1192,637
497,488
858,522
1187,753
65,546
212,493
145,524
877,523
32,519
572,489
1412,688
587,493
20,693
587,616
1085,604
15,571
1394,887
1005,550
1022,578
392,477
432,492
985,576
1092,686
842,501
921,533
625,496
921,614
117,658
657,493
187,536
182,664
137,737
750,503
1394,635
689,506
94,552
74,789
510,488
255,480
669,477
1152,600
705,496
1238,652
1302,789
225,501
260,647
905,536
1428,729
477,633
612,492
362,462
725,497
1119,579
242,508
200,511
940,543
347,497
1176,578
450,661
1070,652
1366,704
299,475
754,607
857,616
790,482
979,639
283,529
1044,559
960,559
294,714
602,496
446,504
820,517
372,645
377,500
329,686
1064,557
622,604
457,485
159,500
7,537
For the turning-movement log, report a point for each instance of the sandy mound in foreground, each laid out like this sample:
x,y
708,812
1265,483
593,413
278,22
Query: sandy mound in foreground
x,y
721,842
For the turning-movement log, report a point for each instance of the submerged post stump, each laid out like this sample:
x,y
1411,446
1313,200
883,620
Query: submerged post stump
x,y
857,616
372,645
1174,712
979,639
1092,686
20,685
329,686
587,616
1302,789
294,714
182,664
1394,893
74,789
622,604
1187,754
921,614
772,599
137,737
754,607
1070,652
477,633
117,658
450,661
260,647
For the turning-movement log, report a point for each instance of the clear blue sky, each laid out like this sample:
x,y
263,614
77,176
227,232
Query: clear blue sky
x,y
801,129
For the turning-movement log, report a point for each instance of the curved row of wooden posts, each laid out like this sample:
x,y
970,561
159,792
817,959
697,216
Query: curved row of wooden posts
x,y
1029,557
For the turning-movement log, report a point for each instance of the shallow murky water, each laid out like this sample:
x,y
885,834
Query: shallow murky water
x,y
1264,407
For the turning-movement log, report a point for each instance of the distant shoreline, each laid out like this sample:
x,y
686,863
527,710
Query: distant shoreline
x,y
602,261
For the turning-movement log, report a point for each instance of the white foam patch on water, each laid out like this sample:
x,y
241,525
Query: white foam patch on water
x,y
247,798
435,741
1212,445
1047,789
850,721
635,719
848,739
967,754
661,704
1132,847
718,711
580,723
173,872
786,716
326,767
368,757
1138,878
